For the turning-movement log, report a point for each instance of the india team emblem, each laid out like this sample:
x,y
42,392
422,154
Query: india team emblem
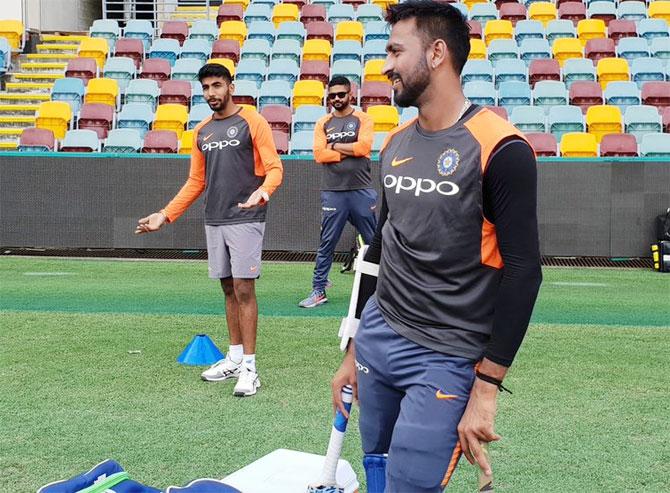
x,y
351,126
232,132
448,162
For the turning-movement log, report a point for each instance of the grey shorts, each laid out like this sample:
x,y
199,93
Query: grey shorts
x,y
234,250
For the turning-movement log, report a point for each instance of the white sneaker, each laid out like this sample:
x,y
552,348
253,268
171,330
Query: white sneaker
x,y
222,370
247,384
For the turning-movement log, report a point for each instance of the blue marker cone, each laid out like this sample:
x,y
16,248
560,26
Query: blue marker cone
x,y
200,351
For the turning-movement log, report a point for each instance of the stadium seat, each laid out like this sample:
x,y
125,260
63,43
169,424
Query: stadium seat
x,y
107,29
384,117
228,63
318,30
498,29
481,93
543,144
102,90
233,30
513,12
226,48
204,29
143,91
622,94
585,94
121,69
253,70
246,92
130,48
660,48
349,50
408,114
313,13
175,92
528,30
367,13
543,70
283,12
477,70
256,49
579,144
286,49
96,48
499,110
543,12
659,10
197,114
187,68
316,49
98,117
5,56
264,30
610,69
302,143
655,145
305,118
257,12
279,117
461,7
641,120
572,11
559,29
13,32
378,140
350,69
294,30
139,29
286,70
477,50
374,93
652,28
604,11
602,120
186,142
177,30
349,31
514,93
502,49
511,70
534,49
528,118
620,28
632,11
646,70
281,142
578,69
476,31
632,48
167,49
656,94
307,92
372,71
547,93
340,12
618,145
171,117
229,12
564,119
483,13
80,141
37,140
315,70
70,90
598,48
566,48
137,116
161,142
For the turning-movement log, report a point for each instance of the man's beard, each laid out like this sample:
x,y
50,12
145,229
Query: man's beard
x,y
413,87
220,106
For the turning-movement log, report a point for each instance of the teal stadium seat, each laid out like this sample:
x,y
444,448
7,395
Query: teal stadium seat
x,y
374,49
246,92
528,29
563,119
502,49
480,92
258,49
632,48
378,140
350,69
5,55
514,93
306,116
121,69
547,93
302,143
139,29
528,118
257,12
286,49
143,91
647,70
166,48
642,120
274,92
204,29
602,10
251,69
578,69
622,93
560,28
533,49
652,28
80,141
196,93
481,70
197,49
632,11
292,30
71,90
340,12
186,69
197,114
511,70
377,30
347,50
262,30
107,29
408,114
660,48
483,12
368,12
284,70
137,116
655,145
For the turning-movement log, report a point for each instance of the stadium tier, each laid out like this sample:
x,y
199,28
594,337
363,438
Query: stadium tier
x,y
580,78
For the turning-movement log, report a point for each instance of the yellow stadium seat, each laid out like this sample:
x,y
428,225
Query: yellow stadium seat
x,y
372,71
13,31
611,69
316,49
543,12
307,92
579,144
102,90
384,117
498,29
477,49
171,117
226,62
349,31
602,120
470,3
565,48
235,30
94,48
54,116
590,29
283,12
659,9
248,106
243,3
186,142
383,4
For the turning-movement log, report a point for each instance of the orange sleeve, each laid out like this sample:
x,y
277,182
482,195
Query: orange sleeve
x,y
266,160
366,134
321,154
194,186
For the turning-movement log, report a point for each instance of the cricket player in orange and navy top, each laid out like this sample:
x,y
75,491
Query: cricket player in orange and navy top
x,y
342,144
235,163
458,263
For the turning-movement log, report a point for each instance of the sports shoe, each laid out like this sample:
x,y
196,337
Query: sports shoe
x,y
247,384
317,297
222,370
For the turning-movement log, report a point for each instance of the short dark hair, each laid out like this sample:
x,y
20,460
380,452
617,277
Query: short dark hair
x,y
339,80
435,20
214,70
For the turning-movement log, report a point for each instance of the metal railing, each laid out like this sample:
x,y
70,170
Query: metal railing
x,y
159,11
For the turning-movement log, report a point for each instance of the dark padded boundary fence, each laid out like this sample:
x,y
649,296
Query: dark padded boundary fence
x,y
586,208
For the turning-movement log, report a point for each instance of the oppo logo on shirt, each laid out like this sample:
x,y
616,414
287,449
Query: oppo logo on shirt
x,y
339,135
222,144
419,185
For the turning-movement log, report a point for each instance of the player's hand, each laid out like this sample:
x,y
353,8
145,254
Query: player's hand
x,y
345,375
259,197
477,424
151,223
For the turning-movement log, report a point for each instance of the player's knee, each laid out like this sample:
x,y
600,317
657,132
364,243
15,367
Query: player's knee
x,y
244,291
228,286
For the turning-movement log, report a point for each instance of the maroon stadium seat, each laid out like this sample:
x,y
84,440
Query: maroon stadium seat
x,y
598,48
97,117
614,145
320,30
513,12
499,110
585,94
157,69
500,3
37,137
665,115
299,3
82,68
160,142
374,93
561,2
606,18
131,48
278,116
543,144
175,30
621,28
175,91
312,13
543,69
315,70
281,141
226,48
572,11
229,12
656,93
475,29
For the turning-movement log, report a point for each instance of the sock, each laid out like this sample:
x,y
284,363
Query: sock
x,y
235,352
249,361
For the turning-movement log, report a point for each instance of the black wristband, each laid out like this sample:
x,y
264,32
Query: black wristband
x,y
492,380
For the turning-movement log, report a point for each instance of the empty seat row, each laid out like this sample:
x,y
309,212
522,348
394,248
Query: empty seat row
x,y
585,145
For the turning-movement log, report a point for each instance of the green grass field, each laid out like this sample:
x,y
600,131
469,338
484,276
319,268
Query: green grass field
x,y
590,410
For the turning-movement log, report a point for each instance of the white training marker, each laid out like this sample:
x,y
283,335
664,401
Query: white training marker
x,y
48,274
580,284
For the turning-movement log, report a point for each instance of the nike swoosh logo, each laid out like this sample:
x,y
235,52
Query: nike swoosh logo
x,y
205,139
445,397
330,129
398,162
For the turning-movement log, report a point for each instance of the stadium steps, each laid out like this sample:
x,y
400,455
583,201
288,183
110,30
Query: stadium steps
x,y
10,134
7,122
9,145
47,57
36,77
43,67
22,98
57,48
29,87
63,38
18,109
